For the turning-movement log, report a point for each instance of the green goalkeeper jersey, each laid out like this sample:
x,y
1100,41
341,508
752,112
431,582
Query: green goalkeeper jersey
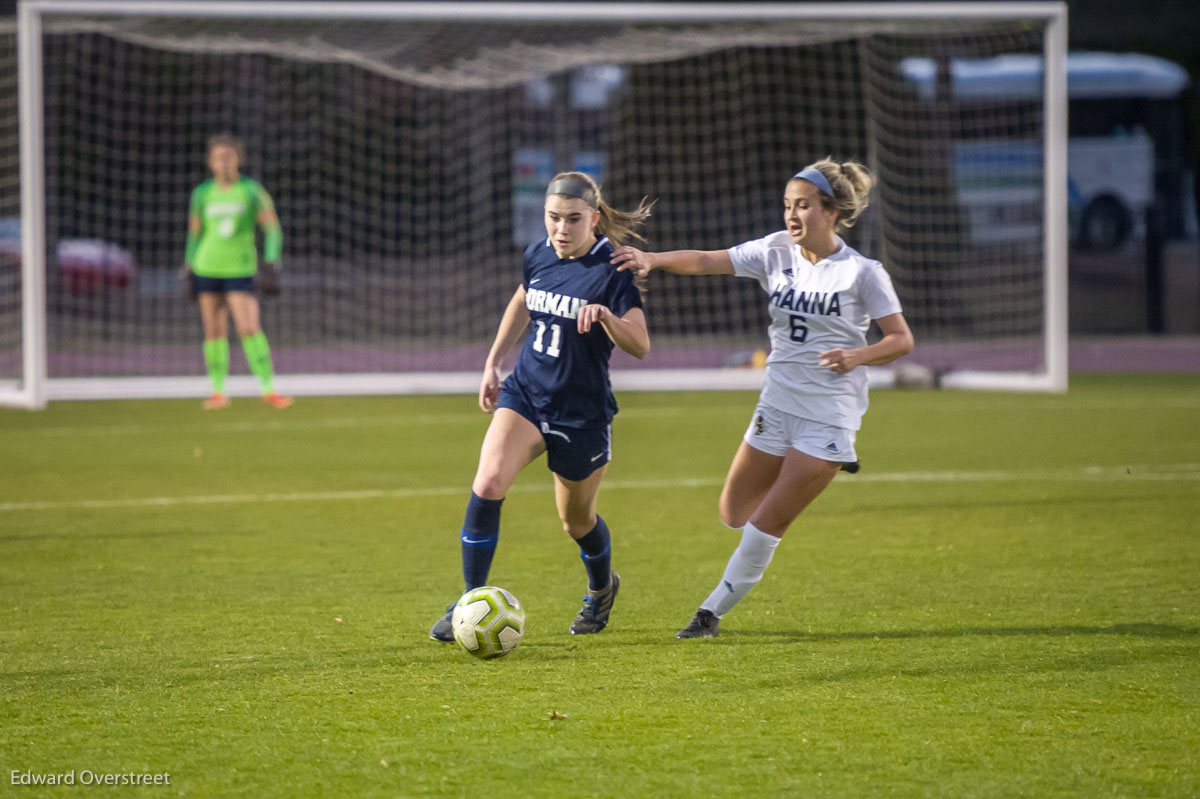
x,y
227,219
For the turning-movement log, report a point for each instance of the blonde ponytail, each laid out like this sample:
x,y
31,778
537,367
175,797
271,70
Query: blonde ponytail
x,y
851,183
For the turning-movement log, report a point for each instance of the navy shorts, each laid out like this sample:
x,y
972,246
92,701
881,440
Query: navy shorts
x,y
222,285
571,452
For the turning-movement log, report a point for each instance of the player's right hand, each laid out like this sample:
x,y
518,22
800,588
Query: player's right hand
x,y
627,258
187,279
489,389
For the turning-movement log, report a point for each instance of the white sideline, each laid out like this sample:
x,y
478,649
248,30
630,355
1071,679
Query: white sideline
x,y
1159,473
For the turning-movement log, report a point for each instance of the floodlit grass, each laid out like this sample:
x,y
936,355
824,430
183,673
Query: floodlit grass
x,y
1005,602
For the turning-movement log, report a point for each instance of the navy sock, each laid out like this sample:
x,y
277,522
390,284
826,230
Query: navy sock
x,y
480,532
596,552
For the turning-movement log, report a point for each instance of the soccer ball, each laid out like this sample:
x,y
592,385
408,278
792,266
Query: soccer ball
x,y
488,622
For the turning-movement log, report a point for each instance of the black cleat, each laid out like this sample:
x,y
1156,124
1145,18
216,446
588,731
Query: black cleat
x,y
593,616
703,625
442,630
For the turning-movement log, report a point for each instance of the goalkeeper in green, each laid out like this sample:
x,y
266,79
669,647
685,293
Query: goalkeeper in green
x,y
221,262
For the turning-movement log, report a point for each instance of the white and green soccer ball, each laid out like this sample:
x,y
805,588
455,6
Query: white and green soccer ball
x,y
488,622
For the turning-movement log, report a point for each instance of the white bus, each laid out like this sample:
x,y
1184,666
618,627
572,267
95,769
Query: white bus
x,y
1126,149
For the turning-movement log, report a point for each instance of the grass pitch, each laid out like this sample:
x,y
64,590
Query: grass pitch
x,y
1004,603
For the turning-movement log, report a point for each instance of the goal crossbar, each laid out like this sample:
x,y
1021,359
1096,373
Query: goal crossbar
x,y
565,12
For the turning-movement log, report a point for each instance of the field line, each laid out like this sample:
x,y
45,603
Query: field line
x,y
1181,472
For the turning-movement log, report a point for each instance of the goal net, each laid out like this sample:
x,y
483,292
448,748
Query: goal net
x,y
407,147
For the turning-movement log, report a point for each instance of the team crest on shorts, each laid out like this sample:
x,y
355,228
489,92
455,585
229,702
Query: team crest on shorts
x,y
760,425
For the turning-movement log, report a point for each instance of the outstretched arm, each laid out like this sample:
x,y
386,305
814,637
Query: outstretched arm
x,y
680,262
512,325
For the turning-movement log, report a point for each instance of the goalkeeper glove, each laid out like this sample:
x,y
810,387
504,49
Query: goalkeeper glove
x,y
268,279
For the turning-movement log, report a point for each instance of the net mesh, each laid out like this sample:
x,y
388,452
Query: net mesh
x,y
408,160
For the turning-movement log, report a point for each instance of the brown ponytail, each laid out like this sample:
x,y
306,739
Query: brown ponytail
x,y
618,225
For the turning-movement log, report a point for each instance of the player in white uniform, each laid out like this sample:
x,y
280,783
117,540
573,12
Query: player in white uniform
x,y
823,297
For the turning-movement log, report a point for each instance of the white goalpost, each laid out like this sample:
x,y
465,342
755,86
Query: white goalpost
x,y
407,144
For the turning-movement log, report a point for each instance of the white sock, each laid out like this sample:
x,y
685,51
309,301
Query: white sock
x,y
744,570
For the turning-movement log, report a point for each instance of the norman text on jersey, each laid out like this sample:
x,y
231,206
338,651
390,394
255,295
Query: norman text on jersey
x,y
554,304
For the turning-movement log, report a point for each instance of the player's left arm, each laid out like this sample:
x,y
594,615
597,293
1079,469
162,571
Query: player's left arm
x,y
897,341
272,241
628,332
272,232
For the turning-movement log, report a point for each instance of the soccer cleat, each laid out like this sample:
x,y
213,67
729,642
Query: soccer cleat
x,y
442,630
597,605
277,400
216,402
703,625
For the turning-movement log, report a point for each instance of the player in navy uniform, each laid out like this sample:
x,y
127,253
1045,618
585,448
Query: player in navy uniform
x,y
823,296
558,399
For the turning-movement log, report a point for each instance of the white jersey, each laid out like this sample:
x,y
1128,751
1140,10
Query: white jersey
x,y
814,308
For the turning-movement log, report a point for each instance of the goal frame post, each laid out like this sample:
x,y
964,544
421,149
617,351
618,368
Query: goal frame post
x,y
36,387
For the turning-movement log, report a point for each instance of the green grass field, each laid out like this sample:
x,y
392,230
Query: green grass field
x,y
1004,603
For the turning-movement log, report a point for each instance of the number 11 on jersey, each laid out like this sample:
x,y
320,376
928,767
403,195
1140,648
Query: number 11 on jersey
x,y
555,338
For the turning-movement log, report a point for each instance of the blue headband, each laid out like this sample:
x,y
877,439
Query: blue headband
x,y
814,177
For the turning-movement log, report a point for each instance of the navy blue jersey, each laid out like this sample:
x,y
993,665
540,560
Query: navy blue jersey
x,y
562,372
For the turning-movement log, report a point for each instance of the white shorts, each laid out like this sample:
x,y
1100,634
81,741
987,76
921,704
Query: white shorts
x,y
775,432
